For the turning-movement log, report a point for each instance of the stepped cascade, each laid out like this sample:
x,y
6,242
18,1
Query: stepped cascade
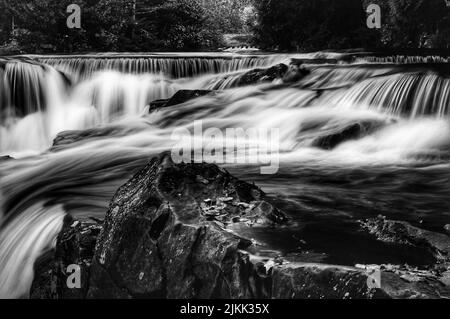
x,y
350,122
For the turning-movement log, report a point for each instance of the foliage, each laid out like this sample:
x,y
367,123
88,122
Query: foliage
x,y
120,25
415,23
312,24
152,25
331,24
179,25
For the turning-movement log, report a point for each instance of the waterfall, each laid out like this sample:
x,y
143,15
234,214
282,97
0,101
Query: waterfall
x,y
21,86
345,117
175,66
37,103
412,94
403,59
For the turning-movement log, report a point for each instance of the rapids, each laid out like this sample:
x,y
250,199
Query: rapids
x,y
397,166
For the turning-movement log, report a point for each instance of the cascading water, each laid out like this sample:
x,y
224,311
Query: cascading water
x,y
356,140
21,87
174,65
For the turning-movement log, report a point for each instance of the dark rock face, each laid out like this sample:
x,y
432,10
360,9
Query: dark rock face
x,y
287,74
75,246
404,233
351,132
263,75
6,158
295,73
67,138
180,97
447,228
316,281
164,236
167,234
315,61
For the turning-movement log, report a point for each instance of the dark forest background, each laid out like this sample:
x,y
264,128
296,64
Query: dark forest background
x,y
39,26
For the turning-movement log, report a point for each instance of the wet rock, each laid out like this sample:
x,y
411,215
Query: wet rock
x,y
351,132
314,61
5,158
167,221
447,228
68,138
166,235
295,73
406,282
75,246
317,281
180,97
263,75
404,233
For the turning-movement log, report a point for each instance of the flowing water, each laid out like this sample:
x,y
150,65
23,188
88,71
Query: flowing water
x,y
397,165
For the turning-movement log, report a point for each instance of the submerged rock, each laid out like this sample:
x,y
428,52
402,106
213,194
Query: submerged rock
x,y
5,158
68,138
167,235
180,97
263,75
351,132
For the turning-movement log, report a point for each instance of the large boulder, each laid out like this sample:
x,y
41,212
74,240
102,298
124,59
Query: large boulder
x,y
165,234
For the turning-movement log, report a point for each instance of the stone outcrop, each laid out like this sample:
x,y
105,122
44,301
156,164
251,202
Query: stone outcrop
x,y
351,132
400,232
168,234
287,74
165,234
75,246
263,75
180,97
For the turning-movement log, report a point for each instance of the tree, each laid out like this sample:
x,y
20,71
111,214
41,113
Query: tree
x,y
179,25
5,22
312,24
414,23
122,25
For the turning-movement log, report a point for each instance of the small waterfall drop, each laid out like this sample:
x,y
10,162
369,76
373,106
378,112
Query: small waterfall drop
x,y
342,117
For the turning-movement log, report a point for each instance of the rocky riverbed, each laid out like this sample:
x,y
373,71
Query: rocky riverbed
x,y
170,232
